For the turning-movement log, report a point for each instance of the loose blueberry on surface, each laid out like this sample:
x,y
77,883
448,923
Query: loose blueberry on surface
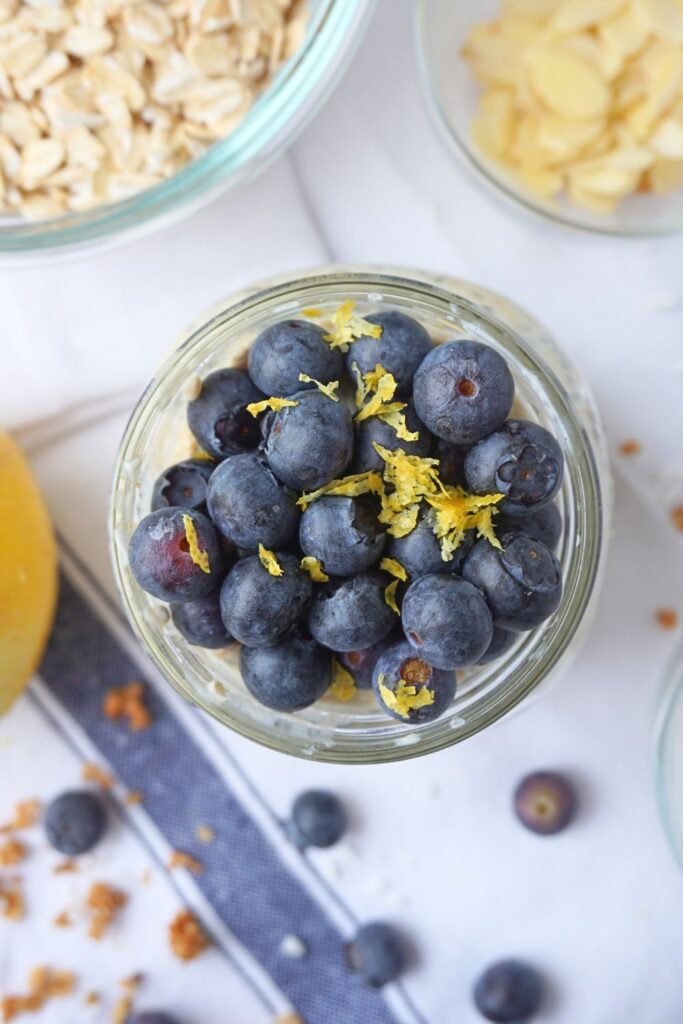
x,y
501,641
545,524
183,484
152,1017
375,431
171,551
400,349
283,351
361,663
377,954
422,693
288,676
250,506
463,391
259,609
545,802
451,462
342,533
201,623
508,992
351,614
310,443
522,582
75,822
318,819
446,620
219,418
419,552
522,461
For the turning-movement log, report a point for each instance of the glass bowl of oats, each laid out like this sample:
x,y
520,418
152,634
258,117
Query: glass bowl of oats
x,y
118,117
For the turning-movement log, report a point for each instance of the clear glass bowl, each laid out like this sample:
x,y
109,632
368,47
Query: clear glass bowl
x,y
548,389
669,756
334,30
453,93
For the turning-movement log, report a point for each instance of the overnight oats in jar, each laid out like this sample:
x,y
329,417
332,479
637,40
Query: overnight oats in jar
x,y
360,516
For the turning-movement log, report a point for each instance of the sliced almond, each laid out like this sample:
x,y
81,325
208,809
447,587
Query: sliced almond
x,y
568,85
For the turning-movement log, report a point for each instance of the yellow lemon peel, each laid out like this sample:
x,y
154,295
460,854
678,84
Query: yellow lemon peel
x,y
327,389
391,565
269,561
199,557
381,386
256,408
343,685
412,478
454,511
347,327
406,697
390,596
313,566
349,486
312,314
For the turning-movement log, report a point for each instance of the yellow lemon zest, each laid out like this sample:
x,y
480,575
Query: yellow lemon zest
x,y
347,327
381,386
343,685
391,565
327,389
312,314
313,566
349,486
390,596
256,408
199,557
454,511
412,478
269,561
406,697
396,418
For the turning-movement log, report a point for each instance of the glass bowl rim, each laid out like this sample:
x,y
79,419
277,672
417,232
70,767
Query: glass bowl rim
x,y
670,698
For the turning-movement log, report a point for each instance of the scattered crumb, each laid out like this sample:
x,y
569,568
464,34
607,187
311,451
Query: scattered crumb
x,y
67,867
193,388
667,618
180,859
186,936
147,877
630,448
93,773
294,947
63,920
13,851
43,984
128,702
92,999
133,982
26,815
677,517
12,899
205,834
105,901
289,1018
124,1005
134,797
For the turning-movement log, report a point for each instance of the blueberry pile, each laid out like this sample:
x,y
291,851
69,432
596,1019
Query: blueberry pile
x,y
361,512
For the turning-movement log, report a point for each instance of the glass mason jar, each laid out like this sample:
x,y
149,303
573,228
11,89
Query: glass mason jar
x,y
669,755
549,390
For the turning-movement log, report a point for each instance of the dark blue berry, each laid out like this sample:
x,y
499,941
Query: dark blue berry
x,y
318,819
522,461
545,802
259,609
447,621
288,676
451,462
183,484
310,443
351,614
545,524
343,533
175,554
361,664
401,679
219,418
508,992
522,582
463,391
377,954
419,552
400,349
75,822
152,1017
501,642
200,622
285,350
250,506
375,431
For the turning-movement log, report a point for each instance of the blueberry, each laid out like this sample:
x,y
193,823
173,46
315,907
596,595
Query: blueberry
x,y
522,582
250,506
175,554
283,351
152,1017
545,802
451,462
408,688
288,676
376,431
200,622
508,992
377,954
419,552
343,533
218,417
400,349
351,614
447,621
75,822
310,443
522,461
545,524
361,664
259,609
183,485
463,391
318,819
501,642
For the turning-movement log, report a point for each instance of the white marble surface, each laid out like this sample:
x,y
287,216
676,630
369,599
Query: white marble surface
x,y
435,848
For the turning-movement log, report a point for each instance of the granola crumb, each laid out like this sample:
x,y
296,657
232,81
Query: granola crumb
x,y
180,859
105,901
13,851
43,984
667,618
187,936
631,447
93,773
26,815
134,797
12,899
677,518
205,834
133,982
63,920
124,1005
289,1018
66,867
92,999
128,702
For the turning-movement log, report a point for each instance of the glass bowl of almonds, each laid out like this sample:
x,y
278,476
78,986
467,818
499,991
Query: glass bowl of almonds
x,y
572,108
118,116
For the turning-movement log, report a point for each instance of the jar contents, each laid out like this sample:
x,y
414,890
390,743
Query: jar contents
x,y
359,510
